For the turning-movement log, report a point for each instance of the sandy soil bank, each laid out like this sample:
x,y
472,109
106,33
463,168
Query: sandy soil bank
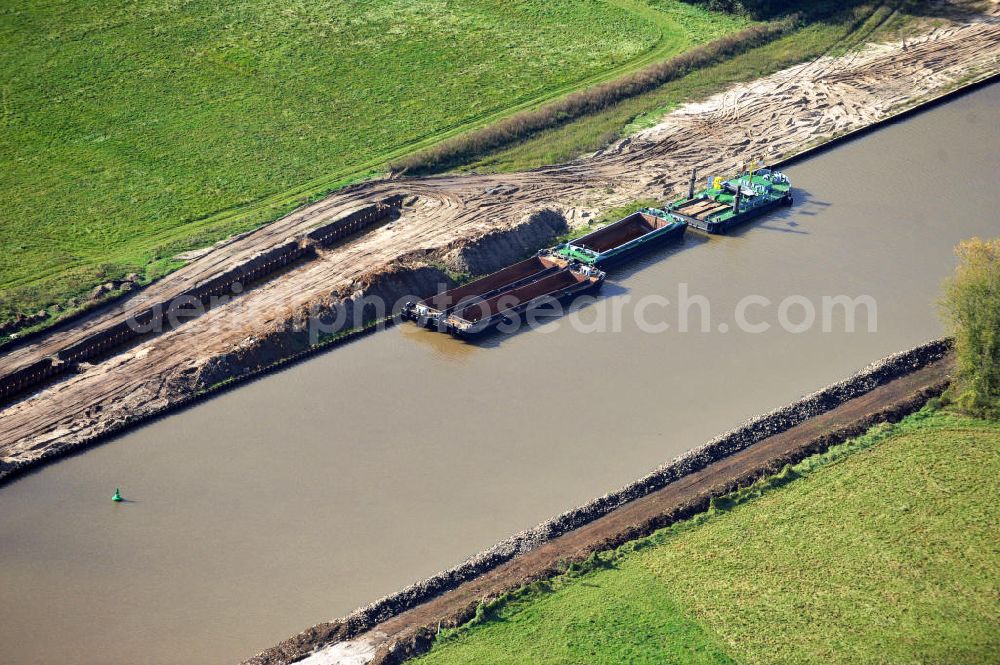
x,y
445,220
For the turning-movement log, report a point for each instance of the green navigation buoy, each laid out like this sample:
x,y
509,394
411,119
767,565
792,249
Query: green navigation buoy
x,y
117,496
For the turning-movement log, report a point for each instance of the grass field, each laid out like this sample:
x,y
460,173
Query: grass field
x,y
883,550
834,28
130,132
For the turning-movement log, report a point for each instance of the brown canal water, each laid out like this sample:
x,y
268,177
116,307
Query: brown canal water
x,y
299,497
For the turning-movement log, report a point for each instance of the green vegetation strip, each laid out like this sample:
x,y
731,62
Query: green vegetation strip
x,y
461,148
824,28
132,132
881,550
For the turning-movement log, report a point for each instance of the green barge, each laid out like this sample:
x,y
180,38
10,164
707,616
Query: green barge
x,y
575,267
625,238
724,204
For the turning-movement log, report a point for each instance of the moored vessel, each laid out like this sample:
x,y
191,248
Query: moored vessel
x,y
724,204
623,239
482,304
480,315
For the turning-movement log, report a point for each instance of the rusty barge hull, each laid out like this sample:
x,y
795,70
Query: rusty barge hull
x,y
509,305
432,311
481,304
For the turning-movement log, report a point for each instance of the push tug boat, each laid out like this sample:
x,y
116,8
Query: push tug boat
x,y
726,203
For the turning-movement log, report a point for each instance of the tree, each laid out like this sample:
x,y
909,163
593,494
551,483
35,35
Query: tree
x,y
971,306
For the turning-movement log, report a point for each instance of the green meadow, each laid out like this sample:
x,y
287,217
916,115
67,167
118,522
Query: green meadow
x,y
882,550
133,131
825,27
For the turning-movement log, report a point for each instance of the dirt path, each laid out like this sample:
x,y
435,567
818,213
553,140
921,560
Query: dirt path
x,y
772,117
393,639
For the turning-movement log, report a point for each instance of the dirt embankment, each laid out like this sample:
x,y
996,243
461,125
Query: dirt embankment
x,y
372,297
395,627
443,222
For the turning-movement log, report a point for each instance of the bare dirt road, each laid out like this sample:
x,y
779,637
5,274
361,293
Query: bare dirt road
x,y
770,118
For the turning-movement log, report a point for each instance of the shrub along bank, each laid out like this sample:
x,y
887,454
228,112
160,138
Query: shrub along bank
x,y
971,305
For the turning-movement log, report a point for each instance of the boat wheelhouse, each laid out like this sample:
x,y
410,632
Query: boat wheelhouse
x,y
724,204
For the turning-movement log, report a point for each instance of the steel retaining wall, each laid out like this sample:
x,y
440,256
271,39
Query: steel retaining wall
x,y
25,377
151,319
260,266
355,221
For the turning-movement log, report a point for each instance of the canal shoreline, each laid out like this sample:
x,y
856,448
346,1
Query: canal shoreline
x,y
400,625
226,345
283,349
280,350
290,432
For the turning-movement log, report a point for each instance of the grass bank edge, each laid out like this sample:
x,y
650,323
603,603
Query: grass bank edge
x,y
861,24
246,218
50,289
460,150
932,416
